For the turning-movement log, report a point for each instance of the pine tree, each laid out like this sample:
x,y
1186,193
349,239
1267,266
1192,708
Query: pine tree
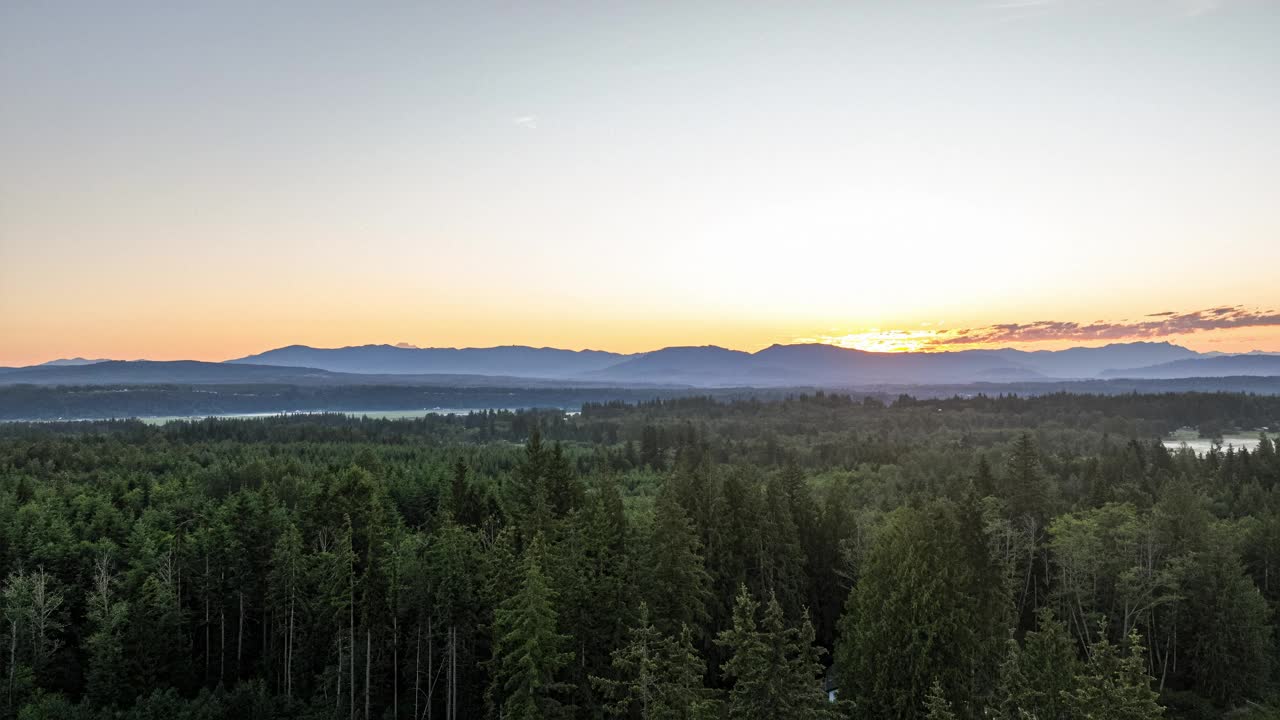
x,y
527,654
658,677
451,560
286,594
1227,623
935,704
1024,484
528,500
595,600
925,608
781,558
1114,685
466,505
984,482
564,490
16,596
678,585
1036,677
774,669
107,615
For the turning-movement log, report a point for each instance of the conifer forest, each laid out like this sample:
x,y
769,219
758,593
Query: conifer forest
x,y
803,556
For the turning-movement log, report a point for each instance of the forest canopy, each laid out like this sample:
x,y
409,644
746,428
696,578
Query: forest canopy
x,y
807,556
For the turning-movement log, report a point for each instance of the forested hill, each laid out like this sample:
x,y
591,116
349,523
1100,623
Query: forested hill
x,y
44,402
987,557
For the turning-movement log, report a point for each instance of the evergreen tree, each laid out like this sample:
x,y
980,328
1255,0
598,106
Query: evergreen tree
x,y
774,670
527,651
935,704
984,481
658,677
107,615
1114,685
781,558
527,493
464,502
1024,485
564,490
677,579
452,594
1036,678
595,597
918,614
1228,628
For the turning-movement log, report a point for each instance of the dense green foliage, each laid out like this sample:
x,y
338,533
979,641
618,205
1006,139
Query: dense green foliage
x,y
57,402
684,558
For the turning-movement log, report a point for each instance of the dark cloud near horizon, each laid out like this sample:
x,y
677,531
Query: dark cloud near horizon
x,y
1169,323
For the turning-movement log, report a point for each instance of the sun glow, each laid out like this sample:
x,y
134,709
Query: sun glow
x,y
877,340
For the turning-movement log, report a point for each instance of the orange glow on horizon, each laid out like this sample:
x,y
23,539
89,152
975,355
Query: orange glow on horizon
x,y
877,340
216,341
1232,340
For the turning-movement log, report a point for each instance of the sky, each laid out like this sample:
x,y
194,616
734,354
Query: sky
x,y
209,180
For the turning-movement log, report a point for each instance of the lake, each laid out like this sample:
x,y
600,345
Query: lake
x,y
372,414
1240,441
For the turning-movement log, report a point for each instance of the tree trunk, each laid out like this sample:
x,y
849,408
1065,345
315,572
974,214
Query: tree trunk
x,y
417,665
208,644
395,667
351,607
448,674
240,639
288,653
453,672
13,657
431,673
368,652
267,637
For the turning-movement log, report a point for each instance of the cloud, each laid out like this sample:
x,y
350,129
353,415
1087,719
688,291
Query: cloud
x,y
529,122
1007,10
1018,4
1163,324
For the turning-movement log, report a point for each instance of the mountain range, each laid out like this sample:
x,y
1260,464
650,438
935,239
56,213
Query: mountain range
x,y
701,366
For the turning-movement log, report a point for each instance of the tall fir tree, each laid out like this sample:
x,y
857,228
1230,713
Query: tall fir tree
x,y
108,614
528,654
1114,683
657,677
919,613
936,705
774,670
1037,677
677,580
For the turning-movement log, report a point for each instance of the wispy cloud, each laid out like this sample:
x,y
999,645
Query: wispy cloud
x,y
1007,10
529,122
1162,324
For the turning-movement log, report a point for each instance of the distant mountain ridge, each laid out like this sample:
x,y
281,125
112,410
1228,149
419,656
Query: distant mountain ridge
x,y
391,359
708,366
1220,366
61,362
194,372
714,366
830,365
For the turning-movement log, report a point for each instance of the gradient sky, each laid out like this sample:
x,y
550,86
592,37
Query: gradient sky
x,y
207,180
